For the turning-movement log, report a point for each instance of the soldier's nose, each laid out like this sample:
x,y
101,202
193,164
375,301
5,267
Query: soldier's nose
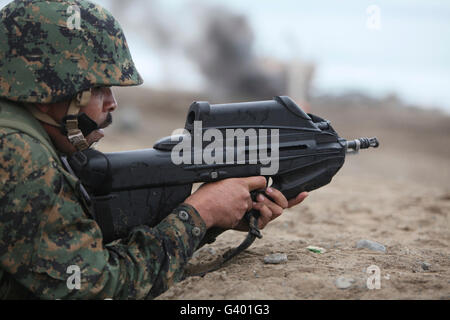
x,y
109,101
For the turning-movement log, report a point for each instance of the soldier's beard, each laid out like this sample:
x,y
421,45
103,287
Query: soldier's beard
x,y
108,121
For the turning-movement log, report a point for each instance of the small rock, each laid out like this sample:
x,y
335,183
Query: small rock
x,y
223,276
275,258
426,266
445,196
344,283
203,251
405,227
371,245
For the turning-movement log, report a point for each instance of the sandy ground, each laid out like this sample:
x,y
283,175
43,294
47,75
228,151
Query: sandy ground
x,y
397,195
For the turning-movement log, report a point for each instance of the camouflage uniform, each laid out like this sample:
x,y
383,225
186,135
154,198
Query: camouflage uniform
x,y
43,227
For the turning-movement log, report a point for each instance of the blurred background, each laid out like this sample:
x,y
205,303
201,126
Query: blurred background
x,y
259,48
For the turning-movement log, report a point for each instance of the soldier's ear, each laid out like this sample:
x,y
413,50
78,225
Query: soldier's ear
x,y
59,108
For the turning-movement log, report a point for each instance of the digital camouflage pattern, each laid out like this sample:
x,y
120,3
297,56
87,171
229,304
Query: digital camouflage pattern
x,y
44,231
51,50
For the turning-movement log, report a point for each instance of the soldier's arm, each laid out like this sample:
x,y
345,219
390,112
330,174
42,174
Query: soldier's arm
x,y
44,234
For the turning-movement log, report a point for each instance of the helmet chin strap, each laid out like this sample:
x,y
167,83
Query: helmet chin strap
x,y
70,121
74,125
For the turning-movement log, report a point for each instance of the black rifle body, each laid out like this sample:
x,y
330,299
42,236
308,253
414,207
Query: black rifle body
x,y
142,187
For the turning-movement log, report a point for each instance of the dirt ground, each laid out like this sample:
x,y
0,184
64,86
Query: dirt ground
x,y
397,195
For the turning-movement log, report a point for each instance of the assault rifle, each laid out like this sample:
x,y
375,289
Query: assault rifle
x,y
141,187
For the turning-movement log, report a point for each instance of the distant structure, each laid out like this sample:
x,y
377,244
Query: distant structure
x,y
294,78
300,77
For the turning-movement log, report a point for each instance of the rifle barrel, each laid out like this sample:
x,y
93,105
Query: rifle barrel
x,y
353,146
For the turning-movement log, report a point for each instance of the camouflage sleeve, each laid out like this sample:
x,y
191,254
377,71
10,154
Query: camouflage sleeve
x,y
47,242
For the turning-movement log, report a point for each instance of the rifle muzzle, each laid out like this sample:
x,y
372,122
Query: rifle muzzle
x,y
354,146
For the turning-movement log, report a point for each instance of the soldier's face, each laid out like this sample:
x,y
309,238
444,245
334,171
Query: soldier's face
x,y
99,109
100,106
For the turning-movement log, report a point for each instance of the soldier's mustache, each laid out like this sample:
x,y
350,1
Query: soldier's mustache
x,y
108,121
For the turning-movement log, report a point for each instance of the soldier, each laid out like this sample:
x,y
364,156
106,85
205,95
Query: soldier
x,y
56,74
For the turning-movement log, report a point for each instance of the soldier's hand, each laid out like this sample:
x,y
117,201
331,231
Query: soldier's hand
x,y
270,210
223,204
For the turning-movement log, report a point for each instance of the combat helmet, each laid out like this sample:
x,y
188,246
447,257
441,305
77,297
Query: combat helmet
x,y
57,50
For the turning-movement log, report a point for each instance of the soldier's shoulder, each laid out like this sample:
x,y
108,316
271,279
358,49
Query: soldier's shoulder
x,y
21,154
